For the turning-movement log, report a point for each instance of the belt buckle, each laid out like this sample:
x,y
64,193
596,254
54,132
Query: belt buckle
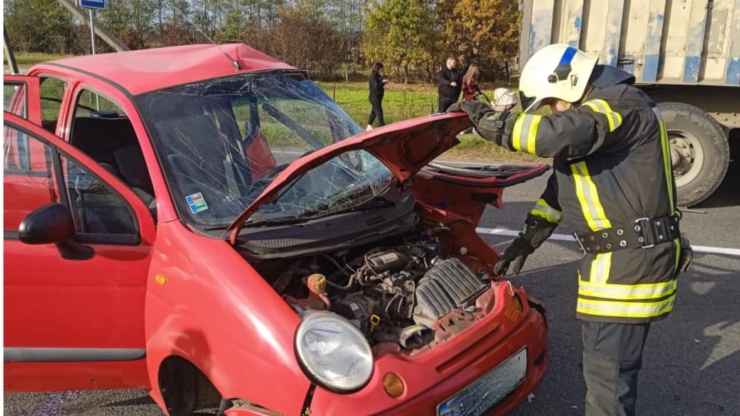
x,y
578,240
646,232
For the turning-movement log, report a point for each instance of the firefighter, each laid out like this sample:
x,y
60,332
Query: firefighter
x,y
613,184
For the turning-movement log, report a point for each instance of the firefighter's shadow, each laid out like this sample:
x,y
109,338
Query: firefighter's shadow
x,y
699,344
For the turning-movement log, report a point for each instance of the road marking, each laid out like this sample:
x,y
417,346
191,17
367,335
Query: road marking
x,y
566,237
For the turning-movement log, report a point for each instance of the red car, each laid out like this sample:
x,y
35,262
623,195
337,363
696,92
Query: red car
x,y
207,224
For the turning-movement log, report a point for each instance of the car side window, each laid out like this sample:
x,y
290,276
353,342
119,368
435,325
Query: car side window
x,y
27,177
52,94
103,131
100,214
12,104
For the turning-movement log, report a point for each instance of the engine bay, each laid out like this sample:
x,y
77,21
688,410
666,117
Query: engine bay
x,y
403,293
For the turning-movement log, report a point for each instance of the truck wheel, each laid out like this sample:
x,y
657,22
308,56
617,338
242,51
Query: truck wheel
x,y
700,151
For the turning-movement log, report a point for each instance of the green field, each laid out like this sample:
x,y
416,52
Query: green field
x,y
401,102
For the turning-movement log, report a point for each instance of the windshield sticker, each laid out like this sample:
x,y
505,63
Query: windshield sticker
x,y
196,202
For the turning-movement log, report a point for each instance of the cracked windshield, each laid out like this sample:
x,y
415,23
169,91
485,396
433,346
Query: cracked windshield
x,y
222,142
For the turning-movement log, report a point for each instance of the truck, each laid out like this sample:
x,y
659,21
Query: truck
x,y
684,53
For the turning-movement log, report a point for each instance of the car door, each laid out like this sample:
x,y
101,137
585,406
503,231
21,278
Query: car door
x,y
466,190
74,307
21,163
21,95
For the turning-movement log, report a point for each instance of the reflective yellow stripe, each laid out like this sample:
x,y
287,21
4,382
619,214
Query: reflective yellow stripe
x,y
542,209
668,164
600,267
625,309
677,242
516,137
601,106
613,291
524,136
588,197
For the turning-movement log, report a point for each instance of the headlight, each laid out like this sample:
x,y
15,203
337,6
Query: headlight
x,y
333,353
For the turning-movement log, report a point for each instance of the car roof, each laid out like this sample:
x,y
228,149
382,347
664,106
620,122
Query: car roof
x,y
140,71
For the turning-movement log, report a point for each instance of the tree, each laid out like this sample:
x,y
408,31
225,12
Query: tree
x,y
481,31
399,32
129,20
40,26
306,41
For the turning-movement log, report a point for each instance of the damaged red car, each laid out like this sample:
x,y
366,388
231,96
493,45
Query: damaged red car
x,y
205,223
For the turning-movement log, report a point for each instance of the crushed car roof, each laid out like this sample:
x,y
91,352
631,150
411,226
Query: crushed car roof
x,y
147,70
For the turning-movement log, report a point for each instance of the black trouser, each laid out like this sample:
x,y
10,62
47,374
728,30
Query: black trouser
x,y
444,103
612,358
377,111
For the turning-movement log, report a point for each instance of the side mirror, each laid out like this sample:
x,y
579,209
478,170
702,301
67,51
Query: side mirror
x,y
49,224
53,224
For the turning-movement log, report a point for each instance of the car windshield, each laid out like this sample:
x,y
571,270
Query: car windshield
x,y
221,142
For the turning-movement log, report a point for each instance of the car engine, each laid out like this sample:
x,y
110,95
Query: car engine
x,y
393,294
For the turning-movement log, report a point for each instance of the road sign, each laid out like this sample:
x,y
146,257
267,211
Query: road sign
x,y
93,4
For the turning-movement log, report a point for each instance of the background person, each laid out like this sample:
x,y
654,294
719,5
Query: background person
x,y
449,85
377,90
470,87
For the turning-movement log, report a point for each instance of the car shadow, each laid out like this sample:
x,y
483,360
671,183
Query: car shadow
x,y
136,401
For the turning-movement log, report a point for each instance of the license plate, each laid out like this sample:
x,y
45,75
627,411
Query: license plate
x,y
484,393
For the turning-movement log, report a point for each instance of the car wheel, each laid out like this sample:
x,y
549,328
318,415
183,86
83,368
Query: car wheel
x,y
700,151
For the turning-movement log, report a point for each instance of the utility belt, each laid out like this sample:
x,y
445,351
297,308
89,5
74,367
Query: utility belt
x,y
644,233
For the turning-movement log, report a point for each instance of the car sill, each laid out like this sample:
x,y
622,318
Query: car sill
x,y
37,355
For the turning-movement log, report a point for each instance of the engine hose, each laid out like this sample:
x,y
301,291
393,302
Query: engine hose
x,y
341,287
336,263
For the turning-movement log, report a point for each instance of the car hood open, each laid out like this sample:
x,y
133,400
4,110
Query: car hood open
x,y
404,147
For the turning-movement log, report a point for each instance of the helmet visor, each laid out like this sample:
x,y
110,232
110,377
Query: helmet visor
x,y
529,104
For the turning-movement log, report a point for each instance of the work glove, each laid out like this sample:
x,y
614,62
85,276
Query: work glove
x,y
491,125
536,230
516,254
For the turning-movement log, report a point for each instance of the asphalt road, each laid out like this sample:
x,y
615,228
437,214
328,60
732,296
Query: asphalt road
x,y
692,359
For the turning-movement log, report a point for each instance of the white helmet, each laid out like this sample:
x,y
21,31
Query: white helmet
x,y
556,71
503,99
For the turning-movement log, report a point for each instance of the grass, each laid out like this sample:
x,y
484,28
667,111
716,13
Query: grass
x,y
30,59
25,60
400,102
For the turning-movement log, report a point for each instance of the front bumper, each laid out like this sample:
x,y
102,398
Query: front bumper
x,y
437,376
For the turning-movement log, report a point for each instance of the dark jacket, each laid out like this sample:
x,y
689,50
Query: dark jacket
x,y
444,78
377,88
612,166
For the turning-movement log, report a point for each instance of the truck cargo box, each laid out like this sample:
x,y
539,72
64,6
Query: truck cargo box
x,y
659,41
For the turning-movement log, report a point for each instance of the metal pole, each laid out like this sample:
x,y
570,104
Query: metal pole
x,y
92,30
92,39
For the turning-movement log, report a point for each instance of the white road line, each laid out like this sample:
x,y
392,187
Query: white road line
x,y
566,237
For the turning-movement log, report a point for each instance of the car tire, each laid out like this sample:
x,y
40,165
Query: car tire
x,y
701,146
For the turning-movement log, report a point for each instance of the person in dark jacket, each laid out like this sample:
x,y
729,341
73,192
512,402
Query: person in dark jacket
x,y
613,185
377,90
449,85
